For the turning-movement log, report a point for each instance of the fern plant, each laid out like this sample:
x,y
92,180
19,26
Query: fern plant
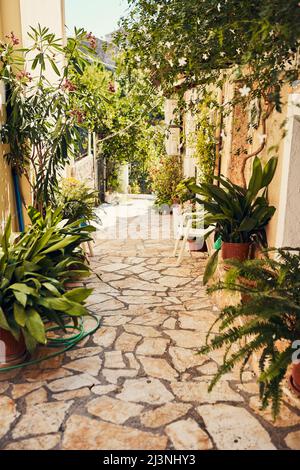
x,y
270,320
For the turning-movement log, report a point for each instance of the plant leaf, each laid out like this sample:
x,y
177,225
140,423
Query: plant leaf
x,y
211,267
35,326
19,314
79,294
3,321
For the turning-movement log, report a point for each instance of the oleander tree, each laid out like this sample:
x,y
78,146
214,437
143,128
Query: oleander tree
x,y
42,126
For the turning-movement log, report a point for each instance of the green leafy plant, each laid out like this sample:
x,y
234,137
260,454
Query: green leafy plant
x,y
237,214
125,111
205,141
266,325
64,261
32,275
77,200
183,192
166,175
42,124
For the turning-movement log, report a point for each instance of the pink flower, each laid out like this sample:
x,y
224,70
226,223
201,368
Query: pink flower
x,y
69,86
111,87
24,76
15,41
78,115
92,40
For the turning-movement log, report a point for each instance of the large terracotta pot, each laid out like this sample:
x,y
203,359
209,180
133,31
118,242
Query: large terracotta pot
x,y
295,378
239,251
12,352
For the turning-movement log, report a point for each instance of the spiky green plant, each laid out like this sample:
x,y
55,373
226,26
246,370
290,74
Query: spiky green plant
x,y
270,320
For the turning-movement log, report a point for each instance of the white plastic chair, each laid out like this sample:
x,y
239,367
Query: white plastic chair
x,y
186,230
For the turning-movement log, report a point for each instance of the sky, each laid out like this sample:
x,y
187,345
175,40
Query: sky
x,y
98,16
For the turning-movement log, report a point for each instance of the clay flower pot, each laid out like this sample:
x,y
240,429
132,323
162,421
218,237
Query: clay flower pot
x,y
12,352
295,378
197,245
239,251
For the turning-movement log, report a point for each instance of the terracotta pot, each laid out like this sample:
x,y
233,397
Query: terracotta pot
x,y
12,352
239,251
295,378
245,298
196,245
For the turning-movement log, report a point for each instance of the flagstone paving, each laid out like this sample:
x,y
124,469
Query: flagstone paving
x,y
137,383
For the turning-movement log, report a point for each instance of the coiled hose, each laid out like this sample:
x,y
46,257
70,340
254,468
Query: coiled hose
x,y
66,343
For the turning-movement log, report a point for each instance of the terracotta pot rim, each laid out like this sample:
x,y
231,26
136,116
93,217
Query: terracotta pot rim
x,y
294,378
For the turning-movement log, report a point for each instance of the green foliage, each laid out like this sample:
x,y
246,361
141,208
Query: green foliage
x,y
183,192
32,275
238,215
205,141
267,325
166,175
42,125
125,110
209,41
77,200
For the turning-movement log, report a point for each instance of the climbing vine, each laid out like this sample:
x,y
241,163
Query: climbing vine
x,y
205,141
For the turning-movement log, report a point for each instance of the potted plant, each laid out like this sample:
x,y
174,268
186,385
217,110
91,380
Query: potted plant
x,y
270,322
238,215
166,175
77,200
32,273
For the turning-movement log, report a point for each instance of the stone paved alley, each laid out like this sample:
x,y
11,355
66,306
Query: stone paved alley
x,y
137,383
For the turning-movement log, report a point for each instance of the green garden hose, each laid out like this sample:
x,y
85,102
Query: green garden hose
x,y
66,343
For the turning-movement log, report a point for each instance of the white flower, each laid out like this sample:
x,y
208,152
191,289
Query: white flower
x,y
171,62
232,31
222,54
262,138
205,56
238,50
137,58
245,90
219,6
182,61
169,44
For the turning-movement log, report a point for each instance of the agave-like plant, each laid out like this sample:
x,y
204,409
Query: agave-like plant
x,y
32,274
237,214
270,323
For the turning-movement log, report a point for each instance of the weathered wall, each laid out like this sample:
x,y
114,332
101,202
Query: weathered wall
x,y
288,226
